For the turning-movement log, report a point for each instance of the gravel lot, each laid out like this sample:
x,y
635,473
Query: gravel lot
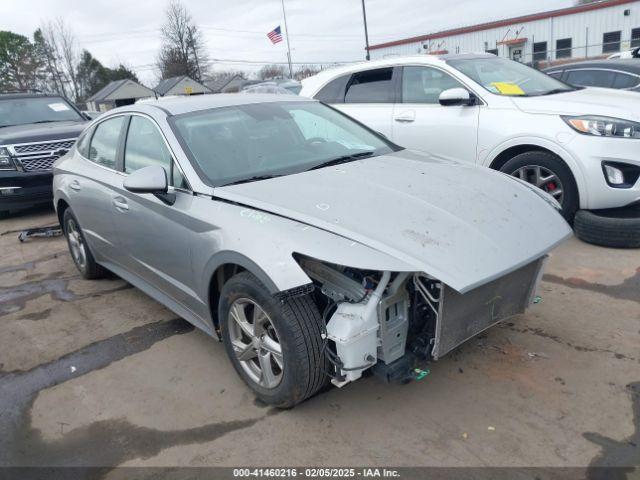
x,y
97,373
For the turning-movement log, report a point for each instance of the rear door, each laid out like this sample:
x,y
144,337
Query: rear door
x,y
369,97
421,123
91,189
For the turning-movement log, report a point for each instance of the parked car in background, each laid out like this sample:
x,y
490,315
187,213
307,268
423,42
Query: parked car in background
x,y
292,86
580,145
270,88
35,130
633,53
310,244
618,74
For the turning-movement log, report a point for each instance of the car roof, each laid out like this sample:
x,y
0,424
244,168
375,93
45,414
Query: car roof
x,y
320,79
626,65
193,103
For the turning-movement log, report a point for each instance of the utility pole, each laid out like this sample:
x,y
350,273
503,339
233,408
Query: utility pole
x,y
366,33
286,31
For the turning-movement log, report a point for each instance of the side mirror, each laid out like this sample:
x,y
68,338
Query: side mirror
x,y
151,179
456,96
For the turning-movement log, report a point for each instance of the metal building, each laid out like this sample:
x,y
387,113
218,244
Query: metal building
x,y
182,85
595,29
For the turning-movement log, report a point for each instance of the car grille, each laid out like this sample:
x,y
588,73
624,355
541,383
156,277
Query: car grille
x,y
37,157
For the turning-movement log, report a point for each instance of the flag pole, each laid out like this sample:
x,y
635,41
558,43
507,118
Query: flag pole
x,y
286,30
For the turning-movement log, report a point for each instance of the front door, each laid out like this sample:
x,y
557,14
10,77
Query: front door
x,y
153,235
515,52
421,123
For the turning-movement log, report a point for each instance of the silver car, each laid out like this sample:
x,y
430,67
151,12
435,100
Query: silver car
x,y
313,247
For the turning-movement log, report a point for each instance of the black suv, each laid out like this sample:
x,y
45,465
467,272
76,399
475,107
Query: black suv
x,y
35,130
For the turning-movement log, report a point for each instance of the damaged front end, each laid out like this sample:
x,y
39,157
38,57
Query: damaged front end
x,y
394,323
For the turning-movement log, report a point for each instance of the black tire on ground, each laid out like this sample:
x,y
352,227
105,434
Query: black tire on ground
x,y
298,325
619,228
4,214
570,202
91,270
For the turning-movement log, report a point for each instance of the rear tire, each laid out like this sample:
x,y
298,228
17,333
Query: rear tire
x,y
281,361
618,228
525,165
80,252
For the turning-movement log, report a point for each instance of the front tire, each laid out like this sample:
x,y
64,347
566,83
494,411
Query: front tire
x,y
547,172
274,345
80,253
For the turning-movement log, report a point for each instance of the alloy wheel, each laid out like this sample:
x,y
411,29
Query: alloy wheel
x,y
255,343
543,178
78,248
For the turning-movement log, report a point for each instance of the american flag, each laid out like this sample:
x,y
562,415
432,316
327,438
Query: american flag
x,y
275,35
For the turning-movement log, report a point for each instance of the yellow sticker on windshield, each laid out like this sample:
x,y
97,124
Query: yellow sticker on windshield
x,y
506,88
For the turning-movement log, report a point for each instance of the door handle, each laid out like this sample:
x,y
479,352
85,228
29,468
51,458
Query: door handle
x,y
406,116
120,204
75,185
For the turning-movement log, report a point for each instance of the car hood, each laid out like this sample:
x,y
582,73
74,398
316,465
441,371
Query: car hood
x,y
462,224
586,101
40,132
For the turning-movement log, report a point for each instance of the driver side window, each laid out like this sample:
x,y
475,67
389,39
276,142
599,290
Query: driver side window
x,y
425,84
145,146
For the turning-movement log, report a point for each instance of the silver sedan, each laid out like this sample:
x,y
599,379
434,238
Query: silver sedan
x,y
313,247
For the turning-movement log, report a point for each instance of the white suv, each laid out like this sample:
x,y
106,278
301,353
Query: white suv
x,y
581,145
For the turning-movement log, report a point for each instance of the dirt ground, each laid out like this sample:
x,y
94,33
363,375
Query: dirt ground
x,y
97,373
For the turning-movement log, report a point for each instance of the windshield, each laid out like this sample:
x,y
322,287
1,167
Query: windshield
x,y
506,77
21,111
251,142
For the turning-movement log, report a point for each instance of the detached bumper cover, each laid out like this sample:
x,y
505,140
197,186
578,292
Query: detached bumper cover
x,y
22,189
463,316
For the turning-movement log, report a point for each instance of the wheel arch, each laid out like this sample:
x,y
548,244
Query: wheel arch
x,y
221,268
504,152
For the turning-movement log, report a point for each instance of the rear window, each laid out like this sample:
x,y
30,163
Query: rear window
x,y
372,86
333,92
591,78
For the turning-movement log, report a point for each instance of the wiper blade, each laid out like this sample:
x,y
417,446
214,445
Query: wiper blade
x,y
556,90
46,121
255,178
343,159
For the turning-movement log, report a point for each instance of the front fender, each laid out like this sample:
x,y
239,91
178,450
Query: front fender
x,y
563,153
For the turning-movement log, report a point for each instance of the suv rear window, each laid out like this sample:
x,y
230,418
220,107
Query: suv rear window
x,y
372,86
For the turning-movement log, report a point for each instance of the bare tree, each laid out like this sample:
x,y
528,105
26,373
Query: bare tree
x,y
69,50
183,48
47,48
306,71
269,72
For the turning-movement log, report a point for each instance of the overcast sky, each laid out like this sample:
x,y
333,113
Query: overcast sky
x,y
127,31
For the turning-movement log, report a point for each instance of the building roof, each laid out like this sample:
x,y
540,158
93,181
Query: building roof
x,y
219,83
167,84
503,23
110,91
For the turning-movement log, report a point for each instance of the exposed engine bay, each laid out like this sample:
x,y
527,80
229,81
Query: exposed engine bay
x,y
394,322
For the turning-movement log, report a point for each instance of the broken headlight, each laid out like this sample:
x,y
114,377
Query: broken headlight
x,y
5,160
604,126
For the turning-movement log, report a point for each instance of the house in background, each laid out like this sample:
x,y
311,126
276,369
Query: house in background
x,y
181,85
117,94
226,84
